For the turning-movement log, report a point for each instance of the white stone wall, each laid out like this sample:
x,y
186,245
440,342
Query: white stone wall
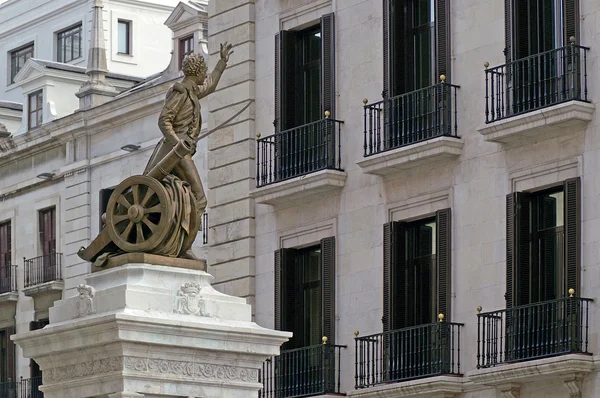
x,y
38,21
475,185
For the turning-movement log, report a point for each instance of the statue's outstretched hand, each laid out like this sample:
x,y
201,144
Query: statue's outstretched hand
x,y
226,51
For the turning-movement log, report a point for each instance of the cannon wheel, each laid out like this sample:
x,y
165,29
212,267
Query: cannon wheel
x,y
138,214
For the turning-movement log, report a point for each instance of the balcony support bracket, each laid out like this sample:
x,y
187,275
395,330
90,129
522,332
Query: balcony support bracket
x,y
510,390
573,383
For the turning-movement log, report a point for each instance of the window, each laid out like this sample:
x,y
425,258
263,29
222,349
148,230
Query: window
x,y
104,196
186,47
47,231
543,244
18,58
7,355
6,269
124,37
416,44
305,305
304,74
69,44
36,109
416,271
304,290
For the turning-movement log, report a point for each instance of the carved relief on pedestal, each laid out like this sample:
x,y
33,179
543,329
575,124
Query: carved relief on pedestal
x,y
85,306
190,301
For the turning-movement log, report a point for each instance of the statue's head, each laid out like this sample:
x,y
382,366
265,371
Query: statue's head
x,y
195,67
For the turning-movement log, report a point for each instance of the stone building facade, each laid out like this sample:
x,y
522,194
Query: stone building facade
x,y
69,145
445,236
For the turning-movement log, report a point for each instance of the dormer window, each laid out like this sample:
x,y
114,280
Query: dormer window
x,y
186,47
36,109
18,58
69,44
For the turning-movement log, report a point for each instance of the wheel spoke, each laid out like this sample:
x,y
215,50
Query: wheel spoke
x,y
154,209
149,224
149,193
125,234
140,234
124,202
136,194
120,218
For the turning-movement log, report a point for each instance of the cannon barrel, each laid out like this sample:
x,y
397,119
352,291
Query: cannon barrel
x,y
164,167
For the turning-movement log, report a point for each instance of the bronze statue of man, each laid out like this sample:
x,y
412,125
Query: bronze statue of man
x,y
180,118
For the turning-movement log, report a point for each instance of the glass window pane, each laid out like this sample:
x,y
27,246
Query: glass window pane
x,y
123,37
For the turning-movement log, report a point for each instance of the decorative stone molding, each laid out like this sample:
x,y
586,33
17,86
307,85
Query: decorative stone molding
x,y
153,366
190,369
561,118
190,301
510,391
85,306
574,384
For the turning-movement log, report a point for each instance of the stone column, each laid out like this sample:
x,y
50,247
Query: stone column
x,y
232,151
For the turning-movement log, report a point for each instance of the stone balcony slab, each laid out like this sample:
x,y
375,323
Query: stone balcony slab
x,y
406,157
9,297
431,387
564,367
300,187
43,288
539,124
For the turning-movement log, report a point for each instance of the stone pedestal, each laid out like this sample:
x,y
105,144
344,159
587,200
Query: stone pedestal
x,y
150,331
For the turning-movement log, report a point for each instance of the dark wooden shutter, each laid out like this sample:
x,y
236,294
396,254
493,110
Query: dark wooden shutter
x,y
47,230
328,64
444,255
10,354
328,287
277,78
508,15
571,22
386,47
518,252
5,244
572,192
442,25
287,70
284,289
401,39
394,271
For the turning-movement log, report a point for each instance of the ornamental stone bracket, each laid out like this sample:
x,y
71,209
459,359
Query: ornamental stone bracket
x,y
509,377
421,153
431,387
539,124
301,187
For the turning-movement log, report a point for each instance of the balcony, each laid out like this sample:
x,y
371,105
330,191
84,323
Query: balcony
x,y
8,284
543,93
299,162
522,342
411,129
43,274
403,355
24,388
307,371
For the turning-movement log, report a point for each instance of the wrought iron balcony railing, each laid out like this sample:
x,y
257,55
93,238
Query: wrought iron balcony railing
x,y
410,118
8,278
302,372
42,269
23,388
536,82
410,353
298,151
533,331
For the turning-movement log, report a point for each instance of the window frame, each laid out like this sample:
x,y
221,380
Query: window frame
x,y
51,229
23,51
69,32
38,111
189,39
128,36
